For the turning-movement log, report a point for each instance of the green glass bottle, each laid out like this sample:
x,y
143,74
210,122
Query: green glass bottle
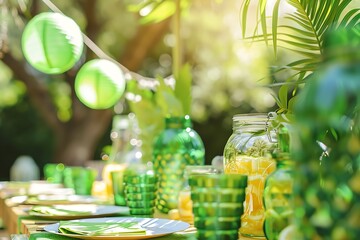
x,y
175,148
278,197
278,191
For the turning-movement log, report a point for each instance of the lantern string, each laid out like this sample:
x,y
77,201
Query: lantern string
x,y
145,81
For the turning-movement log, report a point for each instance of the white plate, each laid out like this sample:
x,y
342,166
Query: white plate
x,y
90,210
64,199
155,227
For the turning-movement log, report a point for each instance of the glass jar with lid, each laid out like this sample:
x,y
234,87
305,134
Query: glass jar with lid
x,y
248,152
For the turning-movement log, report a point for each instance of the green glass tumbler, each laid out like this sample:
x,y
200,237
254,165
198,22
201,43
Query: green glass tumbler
x,y
218,204
118,187
80,179
140,191
54,172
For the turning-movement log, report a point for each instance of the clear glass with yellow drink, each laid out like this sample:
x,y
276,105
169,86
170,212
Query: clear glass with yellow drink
x,y
185,205
248,152
124,150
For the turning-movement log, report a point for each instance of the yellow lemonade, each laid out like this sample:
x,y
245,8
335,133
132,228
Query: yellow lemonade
x,y
257,169
185,207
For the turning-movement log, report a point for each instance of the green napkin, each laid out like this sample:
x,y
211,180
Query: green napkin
x,y
100,228
51,236
58,211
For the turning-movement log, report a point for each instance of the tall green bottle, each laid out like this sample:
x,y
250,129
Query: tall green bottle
x,y
176,147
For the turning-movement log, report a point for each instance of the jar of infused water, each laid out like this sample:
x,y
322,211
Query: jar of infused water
x,y
248,152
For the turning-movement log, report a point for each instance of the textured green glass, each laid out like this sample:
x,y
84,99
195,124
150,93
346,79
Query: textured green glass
x,y
327,193
217,223
140,204
140,190
213,209
215,180
218,194
175,148
80,179
142,211
142,180
278,198
54,172
218,203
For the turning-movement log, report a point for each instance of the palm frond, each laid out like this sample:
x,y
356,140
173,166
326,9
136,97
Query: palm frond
x,y
302,30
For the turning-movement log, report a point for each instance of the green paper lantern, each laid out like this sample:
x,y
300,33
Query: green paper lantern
x,y
52,43
99,84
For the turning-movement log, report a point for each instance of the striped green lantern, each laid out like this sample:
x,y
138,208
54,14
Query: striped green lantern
x,y
52,43
99,84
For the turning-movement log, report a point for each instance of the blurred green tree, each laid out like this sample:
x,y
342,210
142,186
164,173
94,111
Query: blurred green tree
x,y
76,128
225,71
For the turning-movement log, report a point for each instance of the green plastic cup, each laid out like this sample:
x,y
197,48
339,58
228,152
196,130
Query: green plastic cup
x,y
117,178
80,179
54,172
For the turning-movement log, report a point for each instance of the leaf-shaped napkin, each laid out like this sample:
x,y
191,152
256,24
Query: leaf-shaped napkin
x,y
100,228
62,210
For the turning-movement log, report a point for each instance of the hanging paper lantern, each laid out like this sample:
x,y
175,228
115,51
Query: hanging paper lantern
x,y
52,42
99,84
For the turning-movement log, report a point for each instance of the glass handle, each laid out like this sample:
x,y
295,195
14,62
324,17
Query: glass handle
x,y
271,115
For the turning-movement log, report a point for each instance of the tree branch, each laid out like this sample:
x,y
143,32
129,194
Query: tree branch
x,y
93,27
38,92
144,40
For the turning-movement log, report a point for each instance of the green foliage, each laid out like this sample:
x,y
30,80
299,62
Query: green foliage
x,y
327,111
151,106
11,91
167,101
259,149
300,29
61,93
153,11
183,88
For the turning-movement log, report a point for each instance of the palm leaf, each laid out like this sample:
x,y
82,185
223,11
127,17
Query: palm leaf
x,y
301,31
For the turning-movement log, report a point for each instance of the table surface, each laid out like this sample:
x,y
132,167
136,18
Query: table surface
x,y
21,226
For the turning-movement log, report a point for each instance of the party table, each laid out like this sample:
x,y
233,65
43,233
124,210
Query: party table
x,y
21,226
33,230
